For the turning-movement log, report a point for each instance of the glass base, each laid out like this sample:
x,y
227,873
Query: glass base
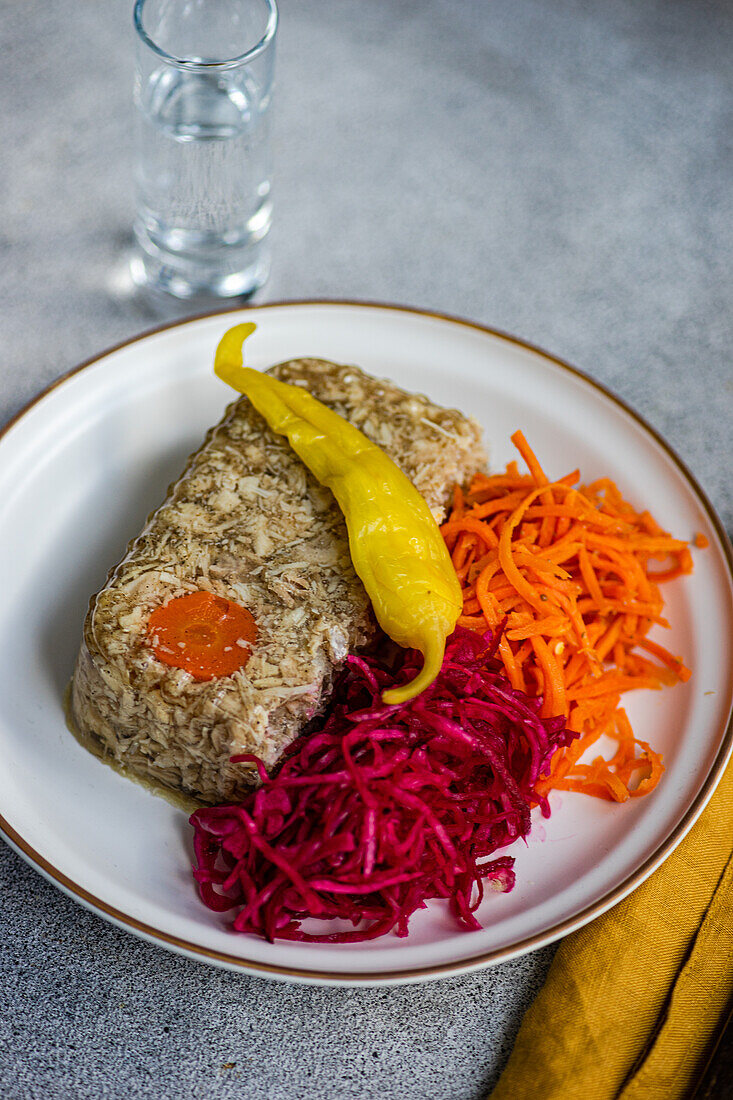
x,y
186,278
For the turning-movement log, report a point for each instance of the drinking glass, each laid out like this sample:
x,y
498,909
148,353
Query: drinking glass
x,y
203,87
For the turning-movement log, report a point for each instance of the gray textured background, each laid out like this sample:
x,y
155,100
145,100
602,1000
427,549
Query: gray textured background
x,y
558,169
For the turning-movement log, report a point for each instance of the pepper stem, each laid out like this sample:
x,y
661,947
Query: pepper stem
x,y
230,355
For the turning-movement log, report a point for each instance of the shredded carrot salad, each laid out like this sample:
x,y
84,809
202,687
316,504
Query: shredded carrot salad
x,y
572,576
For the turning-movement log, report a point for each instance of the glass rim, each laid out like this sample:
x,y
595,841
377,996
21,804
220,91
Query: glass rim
x,y
198,65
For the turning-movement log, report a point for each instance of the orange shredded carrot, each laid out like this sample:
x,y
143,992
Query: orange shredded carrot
x,y
571,574
700,541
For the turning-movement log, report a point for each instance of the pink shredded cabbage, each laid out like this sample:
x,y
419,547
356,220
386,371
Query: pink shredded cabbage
x,y
384,807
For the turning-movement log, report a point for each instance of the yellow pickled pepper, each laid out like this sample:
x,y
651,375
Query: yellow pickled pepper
x,y
396,546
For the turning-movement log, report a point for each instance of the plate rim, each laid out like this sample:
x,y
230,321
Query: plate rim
x,y
415,973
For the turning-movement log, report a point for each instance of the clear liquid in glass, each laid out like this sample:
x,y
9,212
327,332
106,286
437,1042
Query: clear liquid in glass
x,y
203,182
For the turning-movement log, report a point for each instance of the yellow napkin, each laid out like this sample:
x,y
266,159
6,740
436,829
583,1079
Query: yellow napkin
x,y
633,1000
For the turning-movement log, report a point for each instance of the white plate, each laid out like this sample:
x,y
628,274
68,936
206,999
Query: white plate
x,y
81,468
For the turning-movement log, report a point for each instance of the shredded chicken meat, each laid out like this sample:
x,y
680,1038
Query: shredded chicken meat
x,y
247,521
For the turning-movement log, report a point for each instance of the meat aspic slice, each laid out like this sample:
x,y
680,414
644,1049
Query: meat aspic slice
x,y
247,521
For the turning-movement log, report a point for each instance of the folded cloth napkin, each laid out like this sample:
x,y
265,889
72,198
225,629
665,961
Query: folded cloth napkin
x,y
633,1001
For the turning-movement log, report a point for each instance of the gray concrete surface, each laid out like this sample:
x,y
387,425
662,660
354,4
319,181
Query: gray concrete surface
x,y
558,169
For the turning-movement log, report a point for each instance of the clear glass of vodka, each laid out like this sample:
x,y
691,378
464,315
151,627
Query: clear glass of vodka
x,y
203,86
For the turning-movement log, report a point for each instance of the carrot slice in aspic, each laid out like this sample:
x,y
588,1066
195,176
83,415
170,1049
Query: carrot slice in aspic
x,y
202,634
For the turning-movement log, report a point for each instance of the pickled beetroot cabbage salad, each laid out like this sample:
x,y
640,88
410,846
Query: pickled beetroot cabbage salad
x,y
382,808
